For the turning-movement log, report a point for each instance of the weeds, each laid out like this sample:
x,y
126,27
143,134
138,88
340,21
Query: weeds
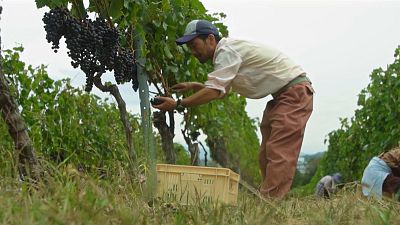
x,y
73,197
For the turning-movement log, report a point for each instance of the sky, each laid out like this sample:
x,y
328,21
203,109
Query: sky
x,y
338,44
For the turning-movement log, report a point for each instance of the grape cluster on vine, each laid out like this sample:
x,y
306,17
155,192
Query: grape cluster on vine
x,y
93,46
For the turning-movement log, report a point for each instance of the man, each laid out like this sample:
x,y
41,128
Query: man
x,y
327,185
254,71
382,175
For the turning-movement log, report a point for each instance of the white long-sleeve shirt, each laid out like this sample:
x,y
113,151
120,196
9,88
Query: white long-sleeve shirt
x,y
251,69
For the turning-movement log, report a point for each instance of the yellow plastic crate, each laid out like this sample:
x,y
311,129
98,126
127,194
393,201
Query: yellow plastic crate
x,y
189,185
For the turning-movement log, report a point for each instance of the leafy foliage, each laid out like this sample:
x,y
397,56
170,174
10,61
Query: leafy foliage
x,y
182,157
65,124
373,129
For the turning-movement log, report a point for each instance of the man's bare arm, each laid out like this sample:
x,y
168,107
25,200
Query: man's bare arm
x,y
202,96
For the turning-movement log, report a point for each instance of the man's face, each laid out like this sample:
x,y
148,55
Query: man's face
x,y
201,49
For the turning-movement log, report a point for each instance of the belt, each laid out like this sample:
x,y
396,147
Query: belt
x,y
299,79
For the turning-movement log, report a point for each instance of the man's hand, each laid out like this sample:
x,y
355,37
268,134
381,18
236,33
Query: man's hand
x,y
168,104
202,96
182,87
186,86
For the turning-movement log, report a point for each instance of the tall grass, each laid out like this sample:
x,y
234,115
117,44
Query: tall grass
x,y
72,197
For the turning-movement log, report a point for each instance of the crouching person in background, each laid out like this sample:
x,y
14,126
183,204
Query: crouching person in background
x,y
327,185
382,175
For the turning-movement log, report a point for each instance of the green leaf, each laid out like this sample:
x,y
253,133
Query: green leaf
x,y
116,9
42,3
157,23
165,26
173,69
167,52
78,9
127,3
166,5
198,6
361,99
58,3
19,49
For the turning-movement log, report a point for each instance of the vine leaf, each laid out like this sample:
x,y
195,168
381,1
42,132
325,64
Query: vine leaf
x,y
78,9
42,3
168,52
116,9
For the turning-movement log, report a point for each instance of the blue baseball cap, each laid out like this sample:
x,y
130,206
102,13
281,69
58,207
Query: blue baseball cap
x,y
196,28
337,178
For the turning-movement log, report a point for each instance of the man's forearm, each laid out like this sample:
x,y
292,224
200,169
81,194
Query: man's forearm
x,y
204,95
197,86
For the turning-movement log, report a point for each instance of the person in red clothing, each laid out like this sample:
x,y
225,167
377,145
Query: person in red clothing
x,y
254,71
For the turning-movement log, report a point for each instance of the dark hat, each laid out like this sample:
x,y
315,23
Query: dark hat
x,y
195,28
337,178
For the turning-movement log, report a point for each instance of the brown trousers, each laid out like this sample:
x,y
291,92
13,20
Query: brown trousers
x,y
282,128
391,184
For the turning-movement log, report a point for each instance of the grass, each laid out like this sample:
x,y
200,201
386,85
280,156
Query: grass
x,y
70,197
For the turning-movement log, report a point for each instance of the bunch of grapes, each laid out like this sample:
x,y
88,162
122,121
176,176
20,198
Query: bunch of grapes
x,y
93,46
